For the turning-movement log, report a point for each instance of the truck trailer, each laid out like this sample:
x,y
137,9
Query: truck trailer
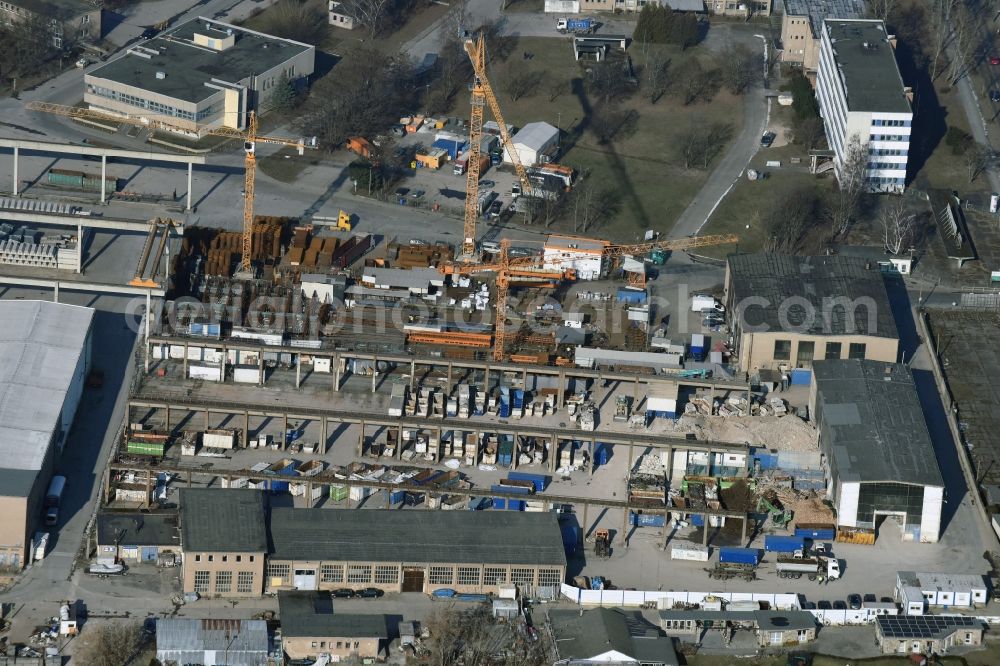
x,y
812,567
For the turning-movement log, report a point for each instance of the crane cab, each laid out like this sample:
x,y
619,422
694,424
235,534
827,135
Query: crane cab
x,y
249,147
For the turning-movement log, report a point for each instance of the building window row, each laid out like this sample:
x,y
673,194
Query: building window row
x,y
386,574
549,577
283,572
332,573
359,573
890,137
888,152
469,576
201,581
155,107
494,576
223,581
244,582
890,123
441,576
885,182
806,350
886,165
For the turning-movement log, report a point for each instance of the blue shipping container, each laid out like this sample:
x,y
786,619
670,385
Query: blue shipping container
x,y
500,488
453,146
505,459
601,454
397,497
823,534
515,505
740,555
540,481
783,544
801,377
698,520
570,537
499,503
631,296
648,519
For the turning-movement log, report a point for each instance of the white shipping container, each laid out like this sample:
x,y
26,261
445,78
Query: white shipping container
x,y
246,374
321,365
690,552
299,490
699,303
239,482
359,493
213,373
218,439
661,405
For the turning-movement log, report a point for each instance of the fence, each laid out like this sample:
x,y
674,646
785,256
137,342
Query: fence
x,y
612,598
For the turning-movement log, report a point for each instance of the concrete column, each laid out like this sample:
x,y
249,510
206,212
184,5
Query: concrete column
x,y
524,379
104,174
208,419
584,526
323,435
189,479
246,429
413,375
670,466
635,394
560,397
17,186
665,532
149,302
631,451
593,455
146,356
168,418
450,367
185,360
704,533
298,370
374,373
553,453
149,487
517,451
625,513
260,368
187,209
361,439
399,446
309,494
55,295
437,449
743,539
284,431
336,373
486,379
79,263
107,484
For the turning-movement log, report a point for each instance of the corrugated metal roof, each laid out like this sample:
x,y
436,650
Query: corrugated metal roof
x,y
475,537
231,642
40,346
536,136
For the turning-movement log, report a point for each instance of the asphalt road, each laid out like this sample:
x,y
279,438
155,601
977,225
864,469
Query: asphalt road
x,y
730,167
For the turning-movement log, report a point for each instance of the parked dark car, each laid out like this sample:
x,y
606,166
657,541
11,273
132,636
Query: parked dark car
x,y
824,605
870,599
767,138
342,593
370,593
149,33
839,605
855,601
995,95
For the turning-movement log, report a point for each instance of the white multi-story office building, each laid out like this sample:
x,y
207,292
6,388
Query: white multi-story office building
x,y
862,98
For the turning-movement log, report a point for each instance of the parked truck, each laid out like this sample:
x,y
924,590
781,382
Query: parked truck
x,y
461,164
813,567
727,570
55,492
579,26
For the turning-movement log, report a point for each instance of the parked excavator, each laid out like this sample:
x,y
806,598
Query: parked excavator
x,y
779,516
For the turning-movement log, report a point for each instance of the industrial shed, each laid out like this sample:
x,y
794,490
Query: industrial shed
x,y
534,143
880,457
137,537
218,642
44,360
310,627
413,551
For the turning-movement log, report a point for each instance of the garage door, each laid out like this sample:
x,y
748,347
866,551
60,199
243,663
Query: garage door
x,y
149,553
413,580
304,579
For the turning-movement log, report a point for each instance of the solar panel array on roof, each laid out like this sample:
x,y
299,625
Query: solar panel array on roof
x,y
923,626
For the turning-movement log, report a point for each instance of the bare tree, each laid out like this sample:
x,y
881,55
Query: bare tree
x,y
111,644
297,20
965,40
787,219
655,74
372,14
897,226
695,83
851,181
591,206
939,32
698,146
556,86
977,159
882,9
739,66
519,80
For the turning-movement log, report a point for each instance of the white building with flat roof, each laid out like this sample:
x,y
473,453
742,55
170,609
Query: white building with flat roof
x,y
583,255
921,589
862,98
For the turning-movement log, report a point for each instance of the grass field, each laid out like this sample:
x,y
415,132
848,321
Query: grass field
x,y
640,165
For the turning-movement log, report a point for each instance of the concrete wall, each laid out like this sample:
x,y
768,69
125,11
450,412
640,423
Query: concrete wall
x,y
15,539
800,47
300,647
232,562
756,350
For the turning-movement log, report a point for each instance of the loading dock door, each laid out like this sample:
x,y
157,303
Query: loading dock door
x,y
149,553
413,580
304,579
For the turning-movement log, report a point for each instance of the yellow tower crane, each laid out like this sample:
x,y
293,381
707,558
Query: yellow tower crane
x,y
482,94
249,137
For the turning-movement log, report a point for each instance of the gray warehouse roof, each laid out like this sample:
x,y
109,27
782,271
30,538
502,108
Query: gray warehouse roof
x,y
872,424
475,537
40,346
535,135
867,64
185,641
217,520
311,614
188,68
763,620
820,281
137,529
817,10
594,632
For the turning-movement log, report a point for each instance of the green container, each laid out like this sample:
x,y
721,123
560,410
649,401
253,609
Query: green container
x,y
338,493
145,448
